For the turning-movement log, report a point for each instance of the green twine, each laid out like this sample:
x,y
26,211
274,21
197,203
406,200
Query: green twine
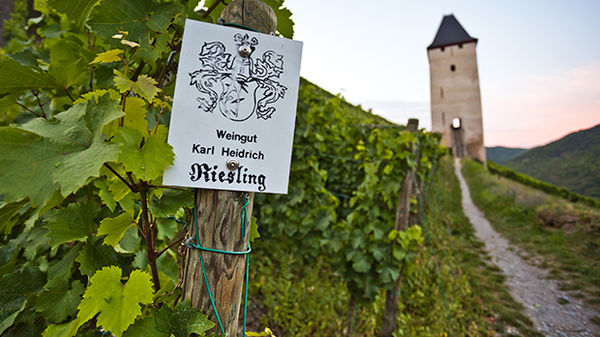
x,y
237,25
243,220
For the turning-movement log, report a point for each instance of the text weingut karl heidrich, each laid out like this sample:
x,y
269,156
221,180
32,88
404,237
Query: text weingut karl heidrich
x,y
229,151
202,171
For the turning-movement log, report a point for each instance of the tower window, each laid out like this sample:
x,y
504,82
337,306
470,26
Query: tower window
x,y
460,45
442,48
453,68
441,92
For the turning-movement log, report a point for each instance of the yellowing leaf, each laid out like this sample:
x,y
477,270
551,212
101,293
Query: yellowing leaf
x,y
144,86
122,82
108,56
130,43
115,228
117,306
97,94
135,114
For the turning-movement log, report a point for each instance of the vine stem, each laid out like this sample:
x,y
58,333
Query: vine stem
x,y
158,120
212,8
174,243
131,187
69,94
37,97
150,244
26,108
169,187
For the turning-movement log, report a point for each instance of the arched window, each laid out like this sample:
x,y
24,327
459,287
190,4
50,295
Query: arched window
x,y
453,67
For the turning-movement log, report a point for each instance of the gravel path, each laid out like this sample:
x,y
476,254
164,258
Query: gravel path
x,y
528,284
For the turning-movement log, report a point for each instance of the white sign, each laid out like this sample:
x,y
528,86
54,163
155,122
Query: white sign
x,y
235,100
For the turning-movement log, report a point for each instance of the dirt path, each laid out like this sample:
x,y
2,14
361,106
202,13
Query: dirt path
x,y
528,284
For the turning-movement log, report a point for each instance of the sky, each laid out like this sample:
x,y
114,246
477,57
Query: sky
x,y
539,61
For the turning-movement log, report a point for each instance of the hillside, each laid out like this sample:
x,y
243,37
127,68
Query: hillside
x,y
501,154
572,162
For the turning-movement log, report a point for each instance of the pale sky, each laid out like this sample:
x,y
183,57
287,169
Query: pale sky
x,y
539,61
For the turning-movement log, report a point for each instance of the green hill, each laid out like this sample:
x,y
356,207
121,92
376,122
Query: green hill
x,y
501,154
572,162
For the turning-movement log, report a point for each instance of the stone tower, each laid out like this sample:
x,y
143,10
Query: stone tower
x,y
455,96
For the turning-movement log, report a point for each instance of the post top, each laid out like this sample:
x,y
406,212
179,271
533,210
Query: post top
x,y
251,13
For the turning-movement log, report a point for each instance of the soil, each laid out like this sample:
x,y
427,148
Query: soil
x,y
553,312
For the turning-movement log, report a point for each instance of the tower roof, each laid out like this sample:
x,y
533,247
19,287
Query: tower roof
x,y
449,33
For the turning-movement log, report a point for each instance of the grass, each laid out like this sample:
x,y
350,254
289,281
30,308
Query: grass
x,y
570,251
455,290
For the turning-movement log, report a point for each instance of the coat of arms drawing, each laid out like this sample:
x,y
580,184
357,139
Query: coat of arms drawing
x,y
238,87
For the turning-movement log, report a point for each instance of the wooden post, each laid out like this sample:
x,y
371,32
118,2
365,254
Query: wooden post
x,y
402,221
219,216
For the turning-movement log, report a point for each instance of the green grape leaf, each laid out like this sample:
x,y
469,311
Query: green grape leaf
x,y
182,321
69,62
37,240
117,188
94,256
39,157
166,228
8,257
171,202
135,114
117,306
108,56
144,86
254,234
285,25
361,264
77,11
150,52
55,199
72,223
26,58
16,77
160,19
112,17
105,195
16,288
130,241
60,271
9,111
7,212
59,300
68,329
115,228
145,327
145,159
399,253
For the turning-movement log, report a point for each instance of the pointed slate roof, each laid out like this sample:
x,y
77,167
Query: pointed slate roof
x,y
449,33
